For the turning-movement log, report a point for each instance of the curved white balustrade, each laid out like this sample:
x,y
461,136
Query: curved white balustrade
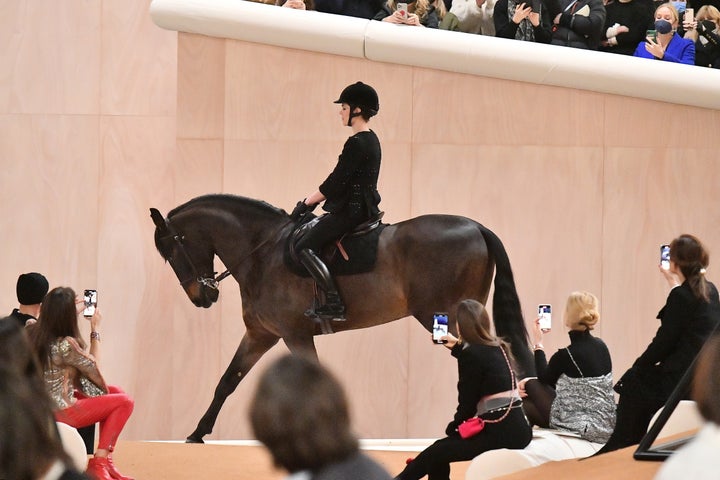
x,y
450,51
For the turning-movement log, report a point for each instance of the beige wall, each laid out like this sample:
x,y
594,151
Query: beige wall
x,y
104,115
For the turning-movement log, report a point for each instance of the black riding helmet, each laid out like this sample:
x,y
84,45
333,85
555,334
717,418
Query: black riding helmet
x,y
362,96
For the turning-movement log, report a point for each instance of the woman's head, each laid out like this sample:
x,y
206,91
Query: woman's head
x,y
581,311
669,13
709,12
690,257
58,319
474,324
359,99
300,413
706,381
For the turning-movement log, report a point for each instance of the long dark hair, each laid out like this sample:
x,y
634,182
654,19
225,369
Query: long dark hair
x,y
706,382
30,441
300,413
475,327
58,319
691,257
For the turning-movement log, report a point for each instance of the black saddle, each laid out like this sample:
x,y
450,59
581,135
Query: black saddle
x,y
354,252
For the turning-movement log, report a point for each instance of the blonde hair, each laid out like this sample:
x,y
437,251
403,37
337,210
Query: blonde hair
x,y
581,311
673,11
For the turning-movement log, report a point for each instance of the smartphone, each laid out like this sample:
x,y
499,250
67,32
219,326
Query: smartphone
x,y
402,8
665,257
545,316
90,297
651,34
536,6
440,327
689,15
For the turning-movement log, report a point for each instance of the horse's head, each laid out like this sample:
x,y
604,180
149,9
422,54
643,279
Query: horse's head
x,y
190,258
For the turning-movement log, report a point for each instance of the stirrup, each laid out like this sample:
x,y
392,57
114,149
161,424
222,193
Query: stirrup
x,y
323,313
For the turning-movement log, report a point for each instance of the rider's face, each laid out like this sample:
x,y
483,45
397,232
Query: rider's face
x,y
344,113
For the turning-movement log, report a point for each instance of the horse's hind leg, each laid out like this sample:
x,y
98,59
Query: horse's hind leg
x,y
252,347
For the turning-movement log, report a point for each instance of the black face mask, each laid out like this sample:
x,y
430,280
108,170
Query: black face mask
x,y
663,26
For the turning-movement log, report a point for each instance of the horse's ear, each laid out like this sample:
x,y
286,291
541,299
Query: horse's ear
x,y
158,219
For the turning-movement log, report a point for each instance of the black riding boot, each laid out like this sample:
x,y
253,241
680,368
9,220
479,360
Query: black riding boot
x,y
334,306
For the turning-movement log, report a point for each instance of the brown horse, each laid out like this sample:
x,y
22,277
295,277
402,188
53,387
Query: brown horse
x,y
425,265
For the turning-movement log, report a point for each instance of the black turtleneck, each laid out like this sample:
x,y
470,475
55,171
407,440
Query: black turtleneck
x,y
590,353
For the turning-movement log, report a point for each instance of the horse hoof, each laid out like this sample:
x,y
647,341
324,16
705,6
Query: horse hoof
x,y
194,440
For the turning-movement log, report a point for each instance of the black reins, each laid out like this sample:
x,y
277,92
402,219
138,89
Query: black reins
x,y
211,282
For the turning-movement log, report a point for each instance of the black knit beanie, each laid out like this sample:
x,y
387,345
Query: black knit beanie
x,y
31,288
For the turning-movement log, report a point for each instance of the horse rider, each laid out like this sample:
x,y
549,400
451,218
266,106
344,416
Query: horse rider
x,y
349,192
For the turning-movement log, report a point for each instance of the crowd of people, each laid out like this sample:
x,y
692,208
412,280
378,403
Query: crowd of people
x,y
675,31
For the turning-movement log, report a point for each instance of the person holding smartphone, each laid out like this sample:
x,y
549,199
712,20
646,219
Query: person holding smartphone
x,y
526,20
668,46
486,389
79,393
689,316
417,13
573,391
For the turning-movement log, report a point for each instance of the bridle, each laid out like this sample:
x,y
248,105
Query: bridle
x,y
213,281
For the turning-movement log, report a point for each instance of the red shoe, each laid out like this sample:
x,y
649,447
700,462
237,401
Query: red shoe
x,y
113,471
97,469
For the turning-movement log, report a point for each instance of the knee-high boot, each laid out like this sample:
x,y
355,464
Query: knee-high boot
x,y
334,306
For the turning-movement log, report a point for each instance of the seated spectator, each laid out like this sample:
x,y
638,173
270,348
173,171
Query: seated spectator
x,y
72,378
486,389
30,447
518,21
30,290
699,459
573,391
705,32
474,16
300,413
668,46
351,8
579,24
420,13
690,314
626,23
297,4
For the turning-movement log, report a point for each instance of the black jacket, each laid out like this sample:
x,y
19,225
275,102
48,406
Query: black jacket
x,y
577,30
351,188
482,370
685,324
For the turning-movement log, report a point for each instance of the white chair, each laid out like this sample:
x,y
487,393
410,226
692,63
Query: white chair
x,y
74,445
546,445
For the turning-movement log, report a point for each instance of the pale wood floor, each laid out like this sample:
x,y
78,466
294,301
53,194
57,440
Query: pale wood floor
x,y
179,461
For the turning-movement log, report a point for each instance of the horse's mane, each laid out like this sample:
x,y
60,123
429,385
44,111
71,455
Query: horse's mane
x,y
229,201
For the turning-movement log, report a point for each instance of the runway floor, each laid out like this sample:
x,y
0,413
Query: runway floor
x,y
180,461
244,461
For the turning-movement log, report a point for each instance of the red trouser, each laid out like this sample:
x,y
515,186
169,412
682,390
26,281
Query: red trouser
x,y
111,411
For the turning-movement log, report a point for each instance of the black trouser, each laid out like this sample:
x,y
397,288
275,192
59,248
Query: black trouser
x,y
329,228
633,418
513,432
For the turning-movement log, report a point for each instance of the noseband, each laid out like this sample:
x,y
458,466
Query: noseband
x,y
210,282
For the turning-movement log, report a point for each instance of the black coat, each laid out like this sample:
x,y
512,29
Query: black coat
x,y
685,324
580,31
351,189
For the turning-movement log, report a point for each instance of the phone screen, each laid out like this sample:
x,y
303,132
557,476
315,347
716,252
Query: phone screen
x,y
651,34
665,257
545,316
90,297
440,327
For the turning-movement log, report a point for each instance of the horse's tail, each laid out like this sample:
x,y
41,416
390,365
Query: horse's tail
x,y
507,313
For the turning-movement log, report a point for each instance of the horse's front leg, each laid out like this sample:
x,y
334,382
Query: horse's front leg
x,y
252,346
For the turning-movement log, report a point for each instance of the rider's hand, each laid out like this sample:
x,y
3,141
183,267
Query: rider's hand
x,y
300,209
